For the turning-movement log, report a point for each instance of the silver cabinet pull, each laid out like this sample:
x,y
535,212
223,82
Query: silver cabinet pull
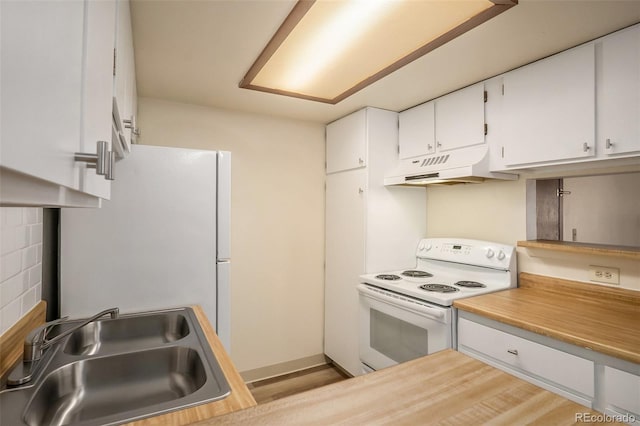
x,y
131,124
111,166
429,147
360,161
513,351
438,144
101,160
585,147
360,191
608,144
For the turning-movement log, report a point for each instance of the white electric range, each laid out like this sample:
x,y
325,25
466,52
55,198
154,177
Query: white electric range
x,y
407,313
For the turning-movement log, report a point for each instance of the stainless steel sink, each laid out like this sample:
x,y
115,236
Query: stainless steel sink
x,y
118,370
127,333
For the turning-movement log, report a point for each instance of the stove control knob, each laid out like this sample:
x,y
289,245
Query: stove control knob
x,y
427,247
421,246
490,253
501,255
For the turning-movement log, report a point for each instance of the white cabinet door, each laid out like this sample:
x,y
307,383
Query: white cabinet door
x,y
460,118
417,131
57,66
124,79
41,72
98,89
618,92
347,142
345,241
549,109
622,391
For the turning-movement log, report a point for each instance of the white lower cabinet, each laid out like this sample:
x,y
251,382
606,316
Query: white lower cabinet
x,y
553,367
598,381
622,393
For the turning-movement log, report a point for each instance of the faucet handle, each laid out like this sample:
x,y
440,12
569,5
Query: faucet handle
x,y
39,334
36,338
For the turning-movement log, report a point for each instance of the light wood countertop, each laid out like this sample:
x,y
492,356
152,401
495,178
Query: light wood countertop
x,y
239,398
583,248
604,319
444,388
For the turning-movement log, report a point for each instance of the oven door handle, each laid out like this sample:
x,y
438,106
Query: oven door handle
x,y
401,301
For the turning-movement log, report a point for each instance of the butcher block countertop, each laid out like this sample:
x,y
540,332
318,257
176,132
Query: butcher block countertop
x,y
604,319
443,388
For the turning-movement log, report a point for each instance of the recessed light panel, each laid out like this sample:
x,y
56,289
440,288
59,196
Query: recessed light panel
x,y
327,50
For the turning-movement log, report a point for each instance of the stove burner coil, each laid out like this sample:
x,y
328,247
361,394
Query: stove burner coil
x,y
470,284
388,277
417,274
439,288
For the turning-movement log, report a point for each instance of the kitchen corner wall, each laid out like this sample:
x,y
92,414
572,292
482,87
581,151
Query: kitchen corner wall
x,y
277,225
20,263
496,211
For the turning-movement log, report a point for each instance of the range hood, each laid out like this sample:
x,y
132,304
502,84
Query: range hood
x,y
463,165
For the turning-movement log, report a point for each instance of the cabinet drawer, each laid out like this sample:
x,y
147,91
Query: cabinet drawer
x,y
622,390
532,358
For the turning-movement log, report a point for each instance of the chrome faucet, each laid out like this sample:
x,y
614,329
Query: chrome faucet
x,y
36,343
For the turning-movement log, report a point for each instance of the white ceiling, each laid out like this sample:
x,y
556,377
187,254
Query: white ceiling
x,y
197,51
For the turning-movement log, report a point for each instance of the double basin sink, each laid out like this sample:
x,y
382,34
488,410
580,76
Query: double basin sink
x,y
112,371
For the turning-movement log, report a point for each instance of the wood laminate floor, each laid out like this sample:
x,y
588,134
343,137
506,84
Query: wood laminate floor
x,y
293,383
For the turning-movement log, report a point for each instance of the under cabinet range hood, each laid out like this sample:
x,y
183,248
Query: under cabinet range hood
x,y
464,165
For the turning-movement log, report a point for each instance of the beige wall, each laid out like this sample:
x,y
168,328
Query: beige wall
x,y
277,230
496,211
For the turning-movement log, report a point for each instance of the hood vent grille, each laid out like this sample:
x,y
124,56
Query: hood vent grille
x,y
441,159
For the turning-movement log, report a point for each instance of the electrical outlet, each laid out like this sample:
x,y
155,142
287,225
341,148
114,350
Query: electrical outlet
x,y
603,274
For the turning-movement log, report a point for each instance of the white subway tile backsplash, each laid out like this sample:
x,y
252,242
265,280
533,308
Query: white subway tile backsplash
x,y
12,288
11,314
20,263
30,216
10,265
36,234
12,216
29,257
29,300
35,275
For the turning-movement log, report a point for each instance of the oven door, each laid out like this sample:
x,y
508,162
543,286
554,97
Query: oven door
x,y
395,328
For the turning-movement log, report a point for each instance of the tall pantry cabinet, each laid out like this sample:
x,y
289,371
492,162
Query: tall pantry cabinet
x,y
369,227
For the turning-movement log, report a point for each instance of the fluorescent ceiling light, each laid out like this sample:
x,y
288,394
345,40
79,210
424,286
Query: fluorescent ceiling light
x,y
326,50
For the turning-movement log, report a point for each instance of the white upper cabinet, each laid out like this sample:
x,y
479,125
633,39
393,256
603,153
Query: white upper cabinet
x,y
453,121
56,67
460,118
618,92
347,142
124,79
417,134
548,109
41,102
98,89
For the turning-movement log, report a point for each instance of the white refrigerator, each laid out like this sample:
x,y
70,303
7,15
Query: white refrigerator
x,y
163,240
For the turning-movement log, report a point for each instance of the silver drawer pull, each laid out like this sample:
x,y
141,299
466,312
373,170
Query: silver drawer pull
x,y
513,351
